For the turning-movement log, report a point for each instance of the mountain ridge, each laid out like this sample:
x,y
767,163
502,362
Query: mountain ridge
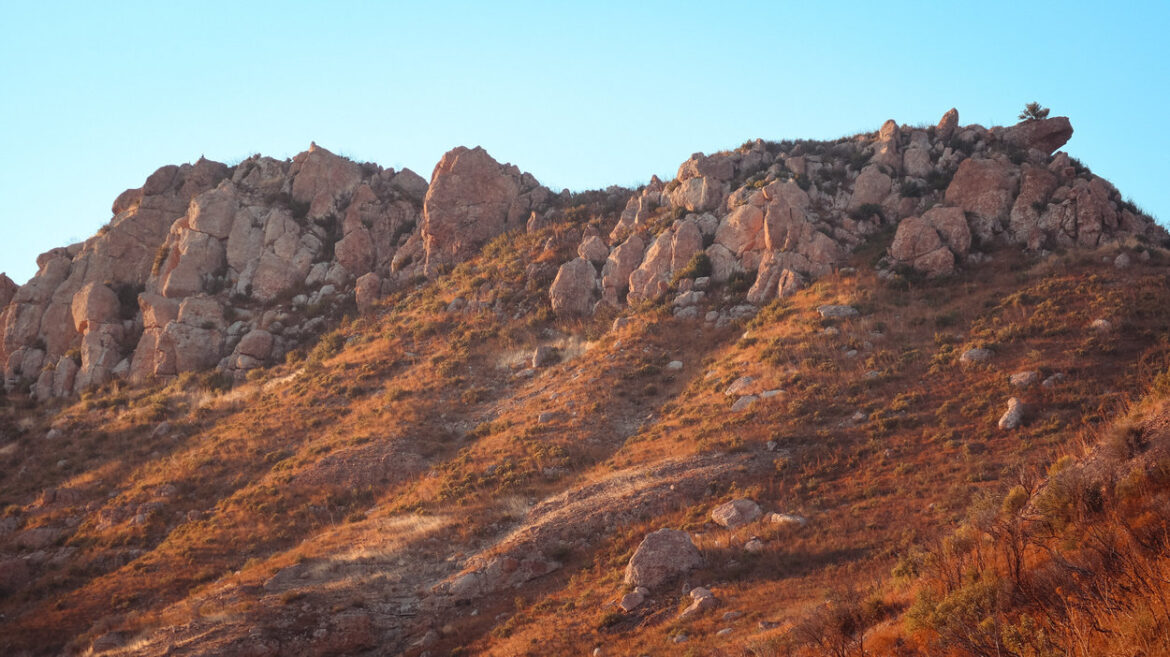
x,y
466,459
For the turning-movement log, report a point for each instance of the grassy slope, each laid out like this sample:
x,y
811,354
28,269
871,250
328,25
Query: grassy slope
x,y
406,444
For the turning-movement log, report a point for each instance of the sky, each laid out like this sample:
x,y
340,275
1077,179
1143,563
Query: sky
x,y
96,96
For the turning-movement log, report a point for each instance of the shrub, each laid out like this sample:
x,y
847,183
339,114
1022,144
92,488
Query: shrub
x,y
1034,111
698,267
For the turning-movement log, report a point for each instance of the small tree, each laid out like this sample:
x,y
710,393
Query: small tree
x,y
1033,111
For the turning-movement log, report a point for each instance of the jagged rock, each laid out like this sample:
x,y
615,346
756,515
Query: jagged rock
x,y
1045,135
660,556
947,125
736,513
615,275
471,199
322,180
572,291
631,601
886,148
917,162
671,250
1014,416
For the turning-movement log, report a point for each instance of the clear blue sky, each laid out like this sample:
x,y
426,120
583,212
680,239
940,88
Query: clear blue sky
x,y
96,96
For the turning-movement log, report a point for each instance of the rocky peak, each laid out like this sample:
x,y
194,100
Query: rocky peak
x,y
471,199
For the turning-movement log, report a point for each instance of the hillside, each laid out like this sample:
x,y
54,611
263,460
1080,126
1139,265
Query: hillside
x,y
317,407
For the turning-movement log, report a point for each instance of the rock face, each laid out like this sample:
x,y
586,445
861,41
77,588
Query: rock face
x,y
471,199
204,255
660,556
201,256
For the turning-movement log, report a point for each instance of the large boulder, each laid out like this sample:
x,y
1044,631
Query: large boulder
x,y
471,199
736,513
572,291
661,556
985,188
1045,135
871,188
670,251
930,243
322,180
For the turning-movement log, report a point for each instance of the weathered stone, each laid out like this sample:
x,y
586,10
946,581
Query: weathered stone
x,y
572,291
947,125
1014,416
985,188
736,513
322,179
593,249
661,556
615,275
837,312
367,291
977,355
871,188
471,199
1045,135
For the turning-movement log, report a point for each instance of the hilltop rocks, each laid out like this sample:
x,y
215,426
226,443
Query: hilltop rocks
x,y
473,198
660,556
572,291
322,179
871,188
947,125
1045,135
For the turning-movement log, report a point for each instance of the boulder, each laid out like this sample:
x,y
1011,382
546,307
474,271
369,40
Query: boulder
x,y
977,355
572,291
1014,416
1045,135
947,125
837,312
473,198
322,180
593,249
871,188
985,188
94,304
367,291
661,556
736,513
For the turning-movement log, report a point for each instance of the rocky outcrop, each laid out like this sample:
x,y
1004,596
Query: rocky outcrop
x,y
1044,135
231,267
151,295
471,199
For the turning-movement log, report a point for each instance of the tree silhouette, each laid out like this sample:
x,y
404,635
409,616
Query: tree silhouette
x,y
1033,111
